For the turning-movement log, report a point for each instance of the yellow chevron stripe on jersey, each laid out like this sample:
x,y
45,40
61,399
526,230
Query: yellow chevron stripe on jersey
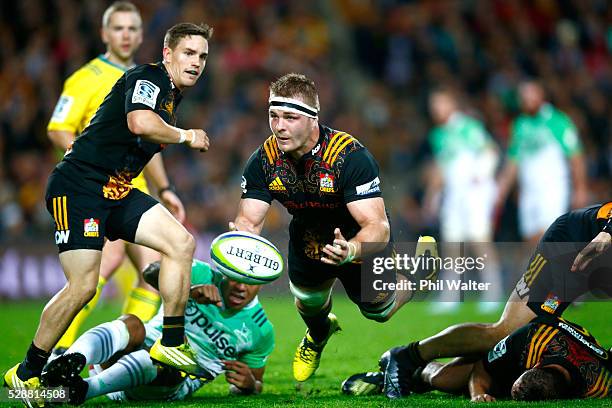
x,y
271,148
604,387
342,146
332,142
599,385
532,345
543,345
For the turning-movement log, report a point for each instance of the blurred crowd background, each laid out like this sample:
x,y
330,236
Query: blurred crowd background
x,y
374,62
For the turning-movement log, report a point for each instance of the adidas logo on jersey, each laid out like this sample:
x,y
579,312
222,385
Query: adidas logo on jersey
x,y
276,185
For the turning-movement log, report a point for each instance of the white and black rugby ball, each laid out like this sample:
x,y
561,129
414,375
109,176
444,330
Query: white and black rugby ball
x,y
246,257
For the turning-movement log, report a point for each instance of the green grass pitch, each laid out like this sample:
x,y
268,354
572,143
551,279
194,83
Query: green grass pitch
x,y
355,349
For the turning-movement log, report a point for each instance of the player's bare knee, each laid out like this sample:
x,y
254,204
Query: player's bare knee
x,y
82,292
136,330
183,246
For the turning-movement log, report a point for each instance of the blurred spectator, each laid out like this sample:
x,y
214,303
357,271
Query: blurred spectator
x,y
545,153
375,63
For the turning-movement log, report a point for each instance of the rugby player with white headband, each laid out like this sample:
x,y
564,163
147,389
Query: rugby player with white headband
x,y
329,183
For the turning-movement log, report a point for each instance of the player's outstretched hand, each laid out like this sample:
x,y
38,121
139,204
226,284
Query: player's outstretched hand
x,y
206,295
199,140
239,374
174,204
483,398
340,252
596,247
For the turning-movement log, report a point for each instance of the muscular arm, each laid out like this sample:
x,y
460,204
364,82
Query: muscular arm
x,y
62,139
579,180
148,125
251,215
371,217
480,384
435,183
505,181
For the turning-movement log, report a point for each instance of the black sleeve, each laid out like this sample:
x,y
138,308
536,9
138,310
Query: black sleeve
x,y
254,180
144,88
504,362
359,177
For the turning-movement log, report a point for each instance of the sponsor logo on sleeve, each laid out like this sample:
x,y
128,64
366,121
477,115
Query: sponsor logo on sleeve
x,y
369,187
498,351
145,92
243,184
60,113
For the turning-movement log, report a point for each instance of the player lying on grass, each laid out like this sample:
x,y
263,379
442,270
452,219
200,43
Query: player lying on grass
x,y
549,358
572,259
224,322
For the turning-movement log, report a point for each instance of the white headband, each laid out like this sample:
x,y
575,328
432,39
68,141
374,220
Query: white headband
x,y
292,105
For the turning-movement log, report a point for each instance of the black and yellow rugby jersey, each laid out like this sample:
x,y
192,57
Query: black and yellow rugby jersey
x,y
107,156
316,188
552,340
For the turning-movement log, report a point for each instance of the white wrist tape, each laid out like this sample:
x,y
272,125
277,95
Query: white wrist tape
x,y
183,136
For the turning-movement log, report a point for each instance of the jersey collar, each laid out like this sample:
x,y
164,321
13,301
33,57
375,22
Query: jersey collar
x,y
317,148
123,68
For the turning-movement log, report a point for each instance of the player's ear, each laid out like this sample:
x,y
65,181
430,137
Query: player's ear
x,y
103,35
167,53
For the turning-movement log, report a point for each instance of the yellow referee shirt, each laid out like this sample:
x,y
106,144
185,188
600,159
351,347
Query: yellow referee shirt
x,y
83,92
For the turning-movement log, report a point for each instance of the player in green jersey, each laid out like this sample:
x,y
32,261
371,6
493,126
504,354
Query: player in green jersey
x,y
545,154
224,323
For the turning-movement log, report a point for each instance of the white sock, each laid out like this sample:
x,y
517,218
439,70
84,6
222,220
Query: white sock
x,y
101,342
131,370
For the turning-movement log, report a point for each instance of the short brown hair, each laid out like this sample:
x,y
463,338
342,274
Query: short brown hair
x,y
178,31
124,6
540,384
292,85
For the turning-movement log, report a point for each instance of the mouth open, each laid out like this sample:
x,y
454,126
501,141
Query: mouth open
x,y
192,72
236,298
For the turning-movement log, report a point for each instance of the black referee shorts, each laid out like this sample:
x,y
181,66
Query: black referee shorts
x,y
83,219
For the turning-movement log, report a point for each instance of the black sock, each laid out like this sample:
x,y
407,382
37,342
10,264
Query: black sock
x,y
412,350
319,324
33,363
173,331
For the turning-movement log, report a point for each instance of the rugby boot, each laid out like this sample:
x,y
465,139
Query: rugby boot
x,y
181,358
398,370
308,354
13,382
427,248
364,384
65,371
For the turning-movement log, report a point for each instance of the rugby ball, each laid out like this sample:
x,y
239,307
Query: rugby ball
x,y
246,257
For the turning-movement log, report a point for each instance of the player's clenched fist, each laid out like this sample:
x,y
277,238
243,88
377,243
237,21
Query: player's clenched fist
x,y
199,140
